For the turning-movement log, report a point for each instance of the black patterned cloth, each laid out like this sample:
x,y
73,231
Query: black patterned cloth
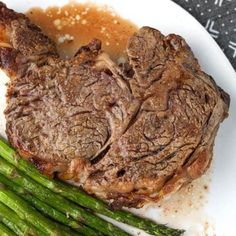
x,y
219,19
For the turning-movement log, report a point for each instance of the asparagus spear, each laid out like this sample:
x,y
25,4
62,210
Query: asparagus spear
x,y
58,202
13,221
4,231
48,210
28,213
78,196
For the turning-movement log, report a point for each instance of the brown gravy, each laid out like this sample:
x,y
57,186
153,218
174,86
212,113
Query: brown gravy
x,y
74,25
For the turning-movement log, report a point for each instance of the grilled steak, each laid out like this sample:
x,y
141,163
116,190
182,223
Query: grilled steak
x,y
130,136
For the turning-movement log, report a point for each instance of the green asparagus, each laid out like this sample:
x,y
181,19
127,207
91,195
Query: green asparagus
x,y
13,221
5,231
29,214
78,196
46,209
58,202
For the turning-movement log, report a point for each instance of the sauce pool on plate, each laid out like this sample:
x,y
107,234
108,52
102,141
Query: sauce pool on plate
x,y
74,25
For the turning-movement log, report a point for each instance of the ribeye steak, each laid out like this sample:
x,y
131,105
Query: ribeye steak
x,y
130,136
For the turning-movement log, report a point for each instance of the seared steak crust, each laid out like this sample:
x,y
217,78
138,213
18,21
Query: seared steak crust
x,y
131,138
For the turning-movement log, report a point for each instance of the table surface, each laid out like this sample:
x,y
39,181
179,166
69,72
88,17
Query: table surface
x,y
219,19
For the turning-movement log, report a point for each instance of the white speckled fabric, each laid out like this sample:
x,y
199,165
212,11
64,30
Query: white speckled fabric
x,y
219,19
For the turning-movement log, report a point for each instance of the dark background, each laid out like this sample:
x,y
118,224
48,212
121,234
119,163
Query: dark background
x,y
219,19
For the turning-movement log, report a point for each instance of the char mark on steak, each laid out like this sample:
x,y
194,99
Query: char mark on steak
x,y
131,136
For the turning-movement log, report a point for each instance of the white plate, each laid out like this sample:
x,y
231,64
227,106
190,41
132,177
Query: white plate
x,y
220,210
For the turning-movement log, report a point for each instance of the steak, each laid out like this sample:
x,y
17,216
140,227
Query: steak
x,y
130,133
